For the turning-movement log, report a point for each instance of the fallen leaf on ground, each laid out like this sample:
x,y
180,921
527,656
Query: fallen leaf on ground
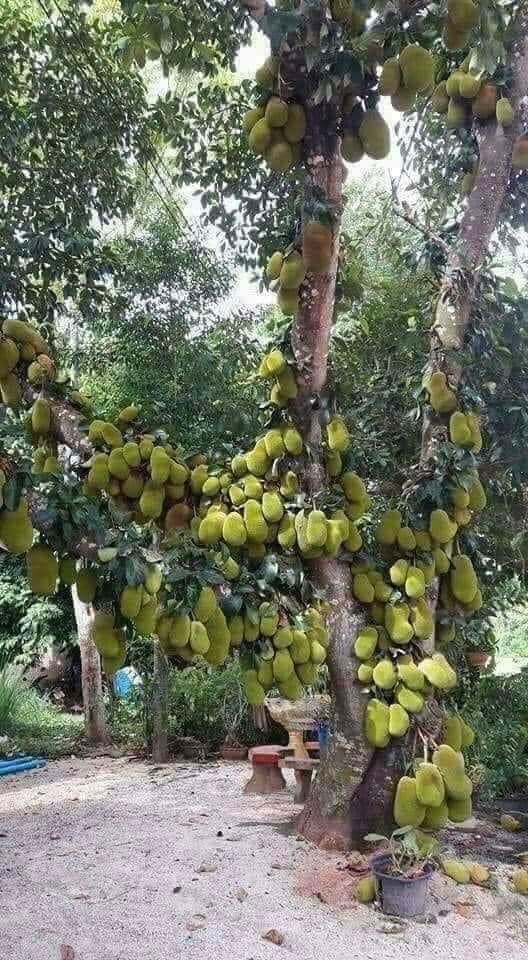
x,y
274,936
463,909
241,894
397,927
196,923
66,952
207,867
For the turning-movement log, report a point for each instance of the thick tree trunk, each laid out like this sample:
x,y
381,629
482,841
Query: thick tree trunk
x,y
160,705
92,686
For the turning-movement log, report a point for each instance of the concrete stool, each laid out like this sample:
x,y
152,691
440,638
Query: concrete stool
x,y
266,777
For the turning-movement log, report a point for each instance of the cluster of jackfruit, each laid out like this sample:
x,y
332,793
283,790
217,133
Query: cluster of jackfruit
x,y
45,569
464,97
462,17
274,366
462,872
440,791
346,13
203,631
277,128
24,355
286,656
16,529
286,271
364,133
407,75
142,476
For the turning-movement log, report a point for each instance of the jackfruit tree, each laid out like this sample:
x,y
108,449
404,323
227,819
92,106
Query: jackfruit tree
x,y
279,554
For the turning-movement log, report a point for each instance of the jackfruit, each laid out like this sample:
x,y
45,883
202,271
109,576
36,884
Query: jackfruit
x,y
374,135
416,64
289,484
180,630
253,488
387,529
410,700
442,398
479,874
260,136
130,601
16,530
377,723
452,732
337,435
353,486
390,77
266,73
411,676
11,391
520,154
520,881
317,246
414,583
293,441
279,156
510,823
131,455
276,112
451,765
146,446
399,721
485,103
404,100
23,332
233,529
295,126
398,572
430,790
406,539
254,691
287,536
365,890
86,584
272,507
316,528
269,620
397,623
293,271
456,870
307,673
199,638
273,269
257,461
440,99
407,810
282,666
42,569
300,650
351,147
467,734
384,675
111,435
441,560
441,527
362,588
459,810
421,619
365,671
366,643
9,357
469,86
256,526
67,571
354,541
206,605
438,672
145,622
477,495
287,385
456,115
436,818
463,580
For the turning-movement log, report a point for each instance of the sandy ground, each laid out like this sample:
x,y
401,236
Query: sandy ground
x,y
117,860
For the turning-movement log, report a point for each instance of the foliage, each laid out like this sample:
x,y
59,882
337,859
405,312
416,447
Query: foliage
x,y
497,710
407,854
31,724
29,623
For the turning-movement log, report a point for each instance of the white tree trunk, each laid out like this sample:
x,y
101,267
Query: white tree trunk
x,y
92,686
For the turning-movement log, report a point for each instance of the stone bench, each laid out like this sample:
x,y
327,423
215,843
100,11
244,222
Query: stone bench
x,y
303,770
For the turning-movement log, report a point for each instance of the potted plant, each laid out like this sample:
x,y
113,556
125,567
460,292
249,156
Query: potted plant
x,y
232,748
480,648
402,871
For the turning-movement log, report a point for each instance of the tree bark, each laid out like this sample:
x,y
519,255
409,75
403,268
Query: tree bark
x,y
91,679
160,705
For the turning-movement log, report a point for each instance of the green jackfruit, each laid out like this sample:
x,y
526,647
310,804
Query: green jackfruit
x,y
272,507
384,675
254,690
151,501
377,723
307,673
421,619
353,486
414,583
452,732
406,539
407,809
411,676
351,147
279,156
398,720
199,638
130,601
430,789
440,99
456,116
180,630
41,417
251,629
477,495
374,135
283,665
469,86
67,571
198,477
390,77
112,436
316,529
233,530
145,622
467,734
295,126
16,530
86,584
365,671
260,136
410,700
23,332
9,357
337,435
463,580
212,526
366,643
441,527
416,64
362,588
257,461
365,890
459,810
131,454
300,649
42,569
456,870
436,818
438,672
293,271
398,572
206,605
397,623
451,765
293,441
387,530
256,526
520,881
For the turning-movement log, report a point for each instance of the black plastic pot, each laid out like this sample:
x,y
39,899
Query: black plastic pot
x,y
400,896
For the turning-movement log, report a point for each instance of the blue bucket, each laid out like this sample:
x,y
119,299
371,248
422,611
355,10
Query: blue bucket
x,y
323,734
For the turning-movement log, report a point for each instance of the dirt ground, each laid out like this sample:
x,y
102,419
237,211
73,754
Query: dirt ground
x,y
112,859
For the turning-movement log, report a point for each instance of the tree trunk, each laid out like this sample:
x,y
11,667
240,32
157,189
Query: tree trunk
x,y
92,686
160,705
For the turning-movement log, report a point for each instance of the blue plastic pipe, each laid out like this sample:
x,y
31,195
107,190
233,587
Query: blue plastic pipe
x,y
24,763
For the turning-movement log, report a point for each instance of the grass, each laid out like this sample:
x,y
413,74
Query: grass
x,y
30,723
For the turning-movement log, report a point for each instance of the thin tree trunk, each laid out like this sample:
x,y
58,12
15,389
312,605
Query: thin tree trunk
x,y
160,705
92,686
